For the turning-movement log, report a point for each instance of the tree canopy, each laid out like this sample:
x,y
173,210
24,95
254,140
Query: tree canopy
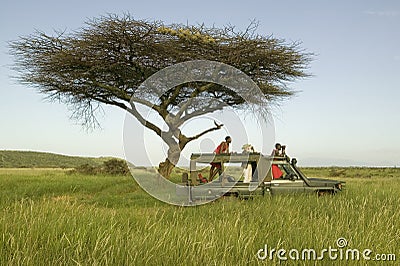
x,y
107,60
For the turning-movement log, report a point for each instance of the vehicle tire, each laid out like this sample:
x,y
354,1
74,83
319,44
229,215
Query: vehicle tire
x,y
321,193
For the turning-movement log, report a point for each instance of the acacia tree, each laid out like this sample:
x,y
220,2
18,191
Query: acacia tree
x,y
107,60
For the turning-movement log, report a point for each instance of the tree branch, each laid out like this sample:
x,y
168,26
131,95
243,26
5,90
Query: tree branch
x,y
204,132
170,99
193,95
143,121
146,103
199,113
113,90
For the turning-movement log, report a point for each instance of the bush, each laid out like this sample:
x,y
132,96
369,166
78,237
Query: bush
x,y
337,172
115,167
85,169
109,167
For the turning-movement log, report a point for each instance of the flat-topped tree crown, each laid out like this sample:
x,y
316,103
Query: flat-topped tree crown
x,y
107,60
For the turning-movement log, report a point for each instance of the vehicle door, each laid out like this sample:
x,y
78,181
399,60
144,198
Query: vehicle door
x,y
289,183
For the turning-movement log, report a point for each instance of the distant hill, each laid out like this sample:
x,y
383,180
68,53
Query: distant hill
x,y
30,159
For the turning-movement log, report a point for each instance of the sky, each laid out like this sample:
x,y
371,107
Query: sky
x,y
345,114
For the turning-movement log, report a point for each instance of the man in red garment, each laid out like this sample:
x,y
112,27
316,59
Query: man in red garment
x,y
278,151
221,149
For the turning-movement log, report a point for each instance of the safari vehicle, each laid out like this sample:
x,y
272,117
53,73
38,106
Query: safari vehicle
x,y
292,181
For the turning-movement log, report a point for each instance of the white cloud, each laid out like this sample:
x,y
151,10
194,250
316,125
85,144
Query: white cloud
x,y
392,13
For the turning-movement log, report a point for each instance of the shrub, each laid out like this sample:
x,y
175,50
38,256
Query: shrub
x,y
115,167
337,172
86,169
109,167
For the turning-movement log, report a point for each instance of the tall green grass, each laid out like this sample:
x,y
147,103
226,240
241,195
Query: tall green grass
x,y
52,218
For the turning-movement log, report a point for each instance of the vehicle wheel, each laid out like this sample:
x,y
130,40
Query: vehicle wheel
x,y
321,193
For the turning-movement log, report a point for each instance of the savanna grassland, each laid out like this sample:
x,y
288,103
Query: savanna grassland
x,y
53,217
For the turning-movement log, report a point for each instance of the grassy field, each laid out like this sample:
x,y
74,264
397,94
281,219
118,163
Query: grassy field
x,y
50,217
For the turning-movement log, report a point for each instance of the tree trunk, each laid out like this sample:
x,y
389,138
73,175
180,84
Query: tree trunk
x,y
165,168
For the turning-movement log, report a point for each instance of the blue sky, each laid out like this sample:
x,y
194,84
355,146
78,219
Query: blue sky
x,y
346,114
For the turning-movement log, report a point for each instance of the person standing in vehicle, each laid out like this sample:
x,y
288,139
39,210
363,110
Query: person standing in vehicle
x,y
222,148
279,151
248,168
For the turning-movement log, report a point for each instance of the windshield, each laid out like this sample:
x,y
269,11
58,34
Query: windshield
x,y
302,176
288,169
283,171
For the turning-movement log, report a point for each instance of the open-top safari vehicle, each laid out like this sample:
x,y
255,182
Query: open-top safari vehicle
x,y
262,182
